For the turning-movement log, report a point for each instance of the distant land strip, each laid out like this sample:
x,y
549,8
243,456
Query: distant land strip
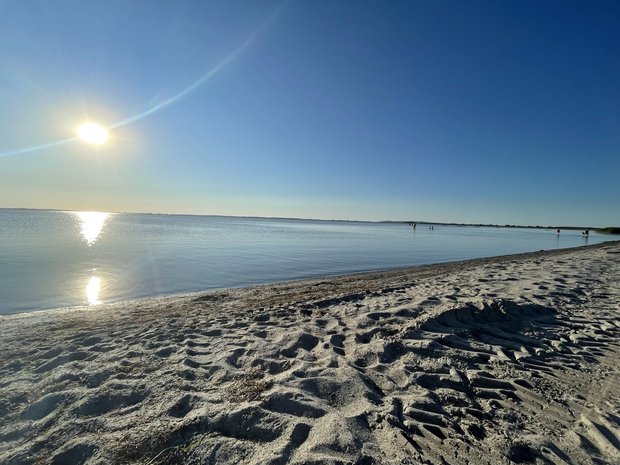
x,y
606,230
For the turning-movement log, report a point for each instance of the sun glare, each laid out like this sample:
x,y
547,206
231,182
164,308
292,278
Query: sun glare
x,y
92,133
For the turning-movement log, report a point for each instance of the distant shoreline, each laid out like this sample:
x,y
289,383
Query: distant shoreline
x,y
603,230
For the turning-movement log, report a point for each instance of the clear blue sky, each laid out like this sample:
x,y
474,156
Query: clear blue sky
x,y
476,111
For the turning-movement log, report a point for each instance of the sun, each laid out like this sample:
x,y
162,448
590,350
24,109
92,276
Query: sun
x,y
92,133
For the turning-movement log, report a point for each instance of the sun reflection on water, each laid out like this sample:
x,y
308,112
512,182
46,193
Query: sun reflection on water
x,y
91,225
92,290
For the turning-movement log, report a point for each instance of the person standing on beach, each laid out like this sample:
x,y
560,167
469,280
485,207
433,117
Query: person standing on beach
x,y
558,231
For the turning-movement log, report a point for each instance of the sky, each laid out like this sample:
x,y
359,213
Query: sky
x,y
474,112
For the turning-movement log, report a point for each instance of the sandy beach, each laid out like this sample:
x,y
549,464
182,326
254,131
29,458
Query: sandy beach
x,y
493,361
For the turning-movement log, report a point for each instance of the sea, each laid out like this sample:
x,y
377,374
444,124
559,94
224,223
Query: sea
x,y
52,259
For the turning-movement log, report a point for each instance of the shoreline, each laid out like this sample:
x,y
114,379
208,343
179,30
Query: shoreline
x,y
361,276
499,360
296,218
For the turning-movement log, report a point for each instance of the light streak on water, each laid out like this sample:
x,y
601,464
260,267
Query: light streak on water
x,y
92,290
91,224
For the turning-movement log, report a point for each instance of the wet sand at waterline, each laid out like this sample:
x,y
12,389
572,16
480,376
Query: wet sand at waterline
x,y
500,360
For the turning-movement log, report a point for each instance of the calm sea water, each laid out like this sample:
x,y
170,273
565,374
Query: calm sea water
x,y
54,259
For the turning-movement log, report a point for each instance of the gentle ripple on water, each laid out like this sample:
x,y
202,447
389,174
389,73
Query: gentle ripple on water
x,y
52,259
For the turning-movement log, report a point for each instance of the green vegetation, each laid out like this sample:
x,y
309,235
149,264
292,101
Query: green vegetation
x,y
609,230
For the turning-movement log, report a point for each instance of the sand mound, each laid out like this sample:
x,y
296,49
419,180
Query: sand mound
x,y
511,360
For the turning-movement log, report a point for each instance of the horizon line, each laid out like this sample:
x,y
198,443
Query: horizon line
x,y
441,223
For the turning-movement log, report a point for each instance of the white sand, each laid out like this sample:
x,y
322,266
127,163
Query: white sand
x,y
493,361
